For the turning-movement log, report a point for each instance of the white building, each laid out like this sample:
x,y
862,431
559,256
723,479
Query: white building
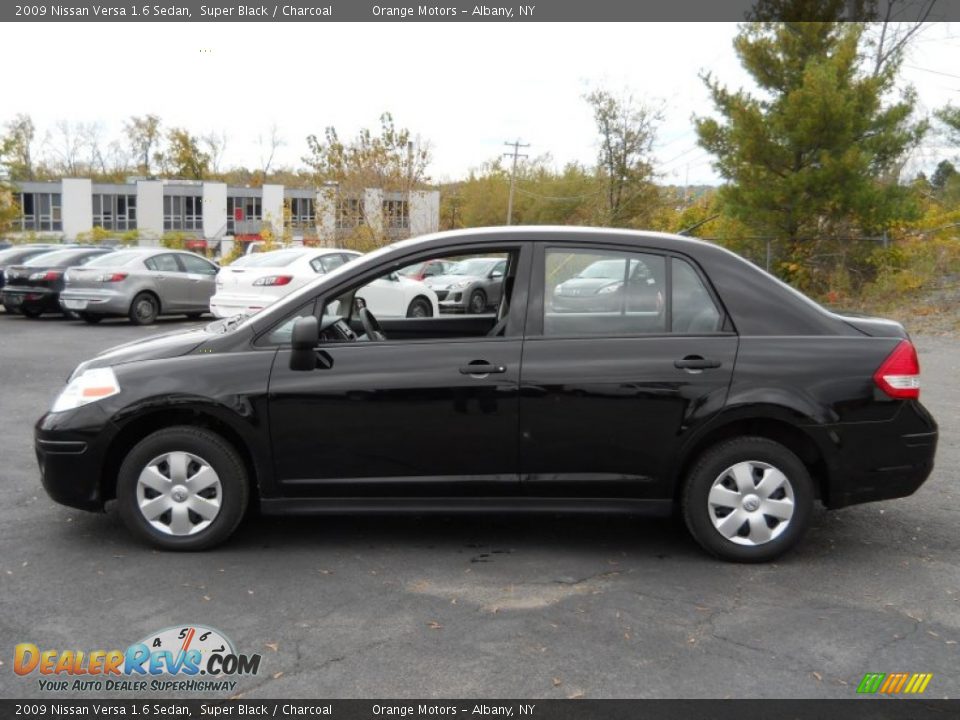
x,y
214,211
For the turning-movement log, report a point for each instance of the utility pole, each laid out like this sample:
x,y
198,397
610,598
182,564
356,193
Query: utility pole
x,y
516,145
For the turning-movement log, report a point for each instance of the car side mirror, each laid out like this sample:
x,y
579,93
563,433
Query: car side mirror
x,y
303,343
394,277
496,274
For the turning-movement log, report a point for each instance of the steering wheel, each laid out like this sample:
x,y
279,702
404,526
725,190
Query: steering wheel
x,y
371,326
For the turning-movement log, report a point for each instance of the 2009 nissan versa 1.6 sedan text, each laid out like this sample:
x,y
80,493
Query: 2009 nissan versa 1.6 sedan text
x,y
713,388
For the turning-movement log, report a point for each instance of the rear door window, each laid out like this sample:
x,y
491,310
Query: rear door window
x,y
163,263
196,264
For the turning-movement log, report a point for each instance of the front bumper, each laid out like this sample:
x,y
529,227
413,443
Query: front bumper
x,y
95,301
882,460
71,454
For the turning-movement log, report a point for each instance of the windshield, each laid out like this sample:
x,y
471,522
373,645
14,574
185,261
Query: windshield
x,y
607,269
116,259
277,258
52,259
414,269
476,266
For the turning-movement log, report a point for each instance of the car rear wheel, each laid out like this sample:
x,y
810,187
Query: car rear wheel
x,y
144,309
748,499
420,308
182,488
90,318
31,312
478,302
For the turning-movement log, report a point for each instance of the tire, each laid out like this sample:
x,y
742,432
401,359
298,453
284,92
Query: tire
x,y
478,302
730,467
30,312
420,307
90,318
144,309
200,450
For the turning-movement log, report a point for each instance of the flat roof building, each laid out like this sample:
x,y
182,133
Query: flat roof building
x,y
214,211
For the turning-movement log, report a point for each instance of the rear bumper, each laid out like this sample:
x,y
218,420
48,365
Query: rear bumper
x,y
15,298
95,302
882,460
224,305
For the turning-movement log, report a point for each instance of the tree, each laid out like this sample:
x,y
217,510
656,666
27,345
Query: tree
x,y
216,145
393,160
183,157
17,148
950,117
143,134
945,170
816,152
627,131
268,148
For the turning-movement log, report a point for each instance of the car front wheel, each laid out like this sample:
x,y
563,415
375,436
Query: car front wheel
x,y
478,302
748,499
182,488
420,308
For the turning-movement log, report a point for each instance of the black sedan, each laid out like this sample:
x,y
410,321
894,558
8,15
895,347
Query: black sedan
x,y
736,400
33,288
19,254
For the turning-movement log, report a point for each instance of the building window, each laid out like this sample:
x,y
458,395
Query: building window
x,y
301,213
242,210
39,211
183,212
350,213
115,212
396,214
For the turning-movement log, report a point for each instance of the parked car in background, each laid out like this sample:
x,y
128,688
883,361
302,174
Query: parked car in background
x,y
256,280
34,287
738,405
141,284
609,286
430,268
20,254
473,285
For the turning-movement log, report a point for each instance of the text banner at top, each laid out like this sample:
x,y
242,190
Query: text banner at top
x,y
450,11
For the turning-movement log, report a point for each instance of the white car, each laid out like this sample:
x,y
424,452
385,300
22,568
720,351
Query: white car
x,y
263,278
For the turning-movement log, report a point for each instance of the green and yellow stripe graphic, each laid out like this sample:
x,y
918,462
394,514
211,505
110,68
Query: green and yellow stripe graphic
x,y
894,683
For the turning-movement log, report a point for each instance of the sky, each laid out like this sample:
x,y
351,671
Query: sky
x,y
466,88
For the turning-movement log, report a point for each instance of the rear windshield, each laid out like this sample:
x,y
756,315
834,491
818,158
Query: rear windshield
x,y
277,258
116,259
56,258
15,255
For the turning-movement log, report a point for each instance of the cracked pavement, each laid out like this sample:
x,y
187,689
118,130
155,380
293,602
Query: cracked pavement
x,y
530,607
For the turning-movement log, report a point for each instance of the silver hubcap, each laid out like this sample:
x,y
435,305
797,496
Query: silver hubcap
x,y
178,493
751,503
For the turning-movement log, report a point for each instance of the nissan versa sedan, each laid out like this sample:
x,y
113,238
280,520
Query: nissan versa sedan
x,y
34,287
737,401
141,284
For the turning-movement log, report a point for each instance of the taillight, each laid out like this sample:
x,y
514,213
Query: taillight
x,y
273,280
45,275
899,375
112,277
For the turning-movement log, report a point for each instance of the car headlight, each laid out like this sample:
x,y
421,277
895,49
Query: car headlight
x,y
607,289
86,387
459,284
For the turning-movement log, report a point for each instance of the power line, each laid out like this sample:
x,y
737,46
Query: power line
x,y
516,145
935,72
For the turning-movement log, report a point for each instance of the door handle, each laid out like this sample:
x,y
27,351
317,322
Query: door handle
x,y
482,368
695,362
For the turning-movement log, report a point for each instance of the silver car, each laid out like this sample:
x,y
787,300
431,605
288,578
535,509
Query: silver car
x,y
141,283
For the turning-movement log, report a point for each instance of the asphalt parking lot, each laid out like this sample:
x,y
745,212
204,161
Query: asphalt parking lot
x,y
485,607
